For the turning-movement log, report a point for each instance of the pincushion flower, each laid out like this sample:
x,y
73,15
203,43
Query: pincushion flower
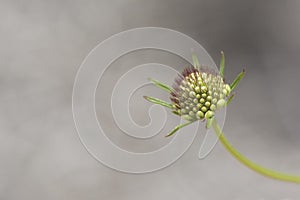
x,y
197,93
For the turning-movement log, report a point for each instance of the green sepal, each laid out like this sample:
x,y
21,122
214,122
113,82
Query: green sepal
x,y
176,113
195,61
229,99
222,64
161,85
158,101
177,128
237,80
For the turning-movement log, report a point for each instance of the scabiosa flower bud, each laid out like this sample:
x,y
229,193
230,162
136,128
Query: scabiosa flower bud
x,y
197,93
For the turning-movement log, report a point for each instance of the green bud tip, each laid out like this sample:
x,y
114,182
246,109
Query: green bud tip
x,y
209,114
203,109
207,104
200,114
221,103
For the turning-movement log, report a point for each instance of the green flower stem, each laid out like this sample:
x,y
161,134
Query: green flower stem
x,y
264,171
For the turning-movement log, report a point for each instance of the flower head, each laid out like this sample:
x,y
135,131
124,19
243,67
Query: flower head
x,y
197,93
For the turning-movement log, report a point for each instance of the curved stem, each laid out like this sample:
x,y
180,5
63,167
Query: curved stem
x,y
262,170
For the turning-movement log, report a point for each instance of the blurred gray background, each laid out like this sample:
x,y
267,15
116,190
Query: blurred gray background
x,y
42,45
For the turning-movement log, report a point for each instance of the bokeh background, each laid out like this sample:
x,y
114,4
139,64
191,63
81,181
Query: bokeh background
x,y
42,45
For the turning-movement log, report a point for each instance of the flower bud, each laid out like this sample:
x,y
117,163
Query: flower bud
x,y
213,107
200,114
197,94
202,100
203,109
221,103
207,104
209,114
